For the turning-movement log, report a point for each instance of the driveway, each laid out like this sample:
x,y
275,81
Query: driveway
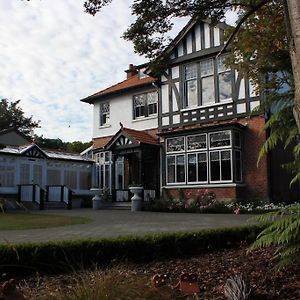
x,y
113,223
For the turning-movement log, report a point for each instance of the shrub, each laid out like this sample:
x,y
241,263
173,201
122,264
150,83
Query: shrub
x,y
81,254
283,232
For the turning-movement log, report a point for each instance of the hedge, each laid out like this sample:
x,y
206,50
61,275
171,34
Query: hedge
x,y
59,257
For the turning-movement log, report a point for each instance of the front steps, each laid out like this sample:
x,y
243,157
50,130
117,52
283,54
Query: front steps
x,y
54,205
117,205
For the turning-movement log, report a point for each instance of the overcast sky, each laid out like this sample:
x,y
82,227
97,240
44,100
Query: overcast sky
x,y
53,54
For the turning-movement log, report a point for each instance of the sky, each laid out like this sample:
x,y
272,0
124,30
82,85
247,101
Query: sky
x,y
52,54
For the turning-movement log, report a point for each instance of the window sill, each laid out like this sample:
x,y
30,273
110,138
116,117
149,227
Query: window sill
x,y
104,126
229,101
144,119
206,185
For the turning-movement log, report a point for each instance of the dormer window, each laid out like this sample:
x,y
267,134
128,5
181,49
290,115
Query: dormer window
x,y
104,114
145,105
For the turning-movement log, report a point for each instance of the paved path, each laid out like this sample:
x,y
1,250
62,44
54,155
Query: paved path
x,y
112,223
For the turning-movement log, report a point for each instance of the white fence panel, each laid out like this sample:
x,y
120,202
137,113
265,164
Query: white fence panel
x,y
54,193
26,193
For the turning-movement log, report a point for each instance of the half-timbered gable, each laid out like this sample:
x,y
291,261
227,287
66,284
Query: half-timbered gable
x,y
198,87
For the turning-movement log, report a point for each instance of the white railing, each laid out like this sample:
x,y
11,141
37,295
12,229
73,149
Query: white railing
x,y
31,193
54,193
59,193
26,194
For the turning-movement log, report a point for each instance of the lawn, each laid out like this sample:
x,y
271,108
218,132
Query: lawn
x,y
14,221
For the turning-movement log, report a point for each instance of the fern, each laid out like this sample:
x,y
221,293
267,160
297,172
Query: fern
x,y
283,232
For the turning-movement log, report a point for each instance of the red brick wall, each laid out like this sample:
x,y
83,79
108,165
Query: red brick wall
x,y
256,177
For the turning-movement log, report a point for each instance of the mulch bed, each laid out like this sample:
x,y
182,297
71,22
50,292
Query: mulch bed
x,y
213,270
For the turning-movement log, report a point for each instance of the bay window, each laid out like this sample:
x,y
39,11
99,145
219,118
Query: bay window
x,y
214,157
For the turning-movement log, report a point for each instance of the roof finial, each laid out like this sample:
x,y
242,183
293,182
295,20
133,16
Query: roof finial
x,y
121,125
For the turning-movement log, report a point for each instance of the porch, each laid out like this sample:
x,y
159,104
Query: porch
x,y
131,158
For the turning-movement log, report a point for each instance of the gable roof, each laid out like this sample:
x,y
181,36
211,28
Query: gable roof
x,y
131,137
125,85
187,28
18,134
33,150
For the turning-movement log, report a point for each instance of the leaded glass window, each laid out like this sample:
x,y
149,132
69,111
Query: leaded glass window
x,y
175,144
152,99
145,105
220,139
195,142
104,114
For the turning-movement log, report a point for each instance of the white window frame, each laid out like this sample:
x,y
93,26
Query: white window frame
x,y
220,161
180,151
175,174
207,167
101,124
221,147
196,150
147,115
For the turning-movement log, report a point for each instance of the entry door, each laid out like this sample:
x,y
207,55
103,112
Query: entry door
x,y
31,172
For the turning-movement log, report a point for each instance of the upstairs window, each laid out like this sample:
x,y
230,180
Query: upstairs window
x,y
145,105
191,85
224,79
104,114
207,82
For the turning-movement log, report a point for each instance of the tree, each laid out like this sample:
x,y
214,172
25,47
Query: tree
x,y
12,115
58,144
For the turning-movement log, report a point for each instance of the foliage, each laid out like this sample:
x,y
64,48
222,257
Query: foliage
x,y
283,231
80,254
236,288
113,284
12,116
76,146
155,19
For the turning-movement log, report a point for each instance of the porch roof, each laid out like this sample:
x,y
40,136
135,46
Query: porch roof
x,y
136,137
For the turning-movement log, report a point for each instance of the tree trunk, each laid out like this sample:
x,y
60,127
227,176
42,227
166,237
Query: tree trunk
x,y
294,28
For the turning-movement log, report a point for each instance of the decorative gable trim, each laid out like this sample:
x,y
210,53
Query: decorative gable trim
x,y
34,151
121,140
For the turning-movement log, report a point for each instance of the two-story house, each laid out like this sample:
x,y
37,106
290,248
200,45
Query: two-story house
x,y
193,128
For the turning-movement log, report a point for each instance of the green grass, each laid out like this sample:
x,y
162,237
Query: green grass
x,y
16,221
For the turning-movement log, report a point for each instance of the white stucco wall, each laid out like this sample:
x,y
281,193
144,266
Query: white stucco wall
x,y
120,111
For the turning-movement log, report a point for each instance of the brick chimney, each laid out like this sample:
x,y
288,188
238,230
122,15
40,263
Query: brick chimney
x,y
131,71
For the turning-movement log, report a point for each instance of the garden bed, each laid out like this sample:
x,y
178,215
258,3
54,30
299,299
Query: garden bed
x,y
212,268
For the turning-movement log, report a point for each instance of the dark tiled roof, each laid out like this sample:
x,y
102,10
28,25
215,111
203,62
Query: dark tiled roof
x,y
130,83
